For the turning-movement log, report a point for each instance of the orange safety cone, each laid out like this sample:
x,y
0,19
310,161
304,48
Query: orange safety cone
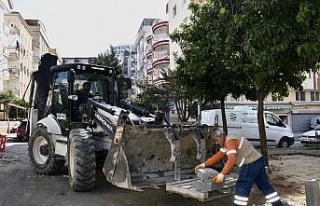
x,y
3,141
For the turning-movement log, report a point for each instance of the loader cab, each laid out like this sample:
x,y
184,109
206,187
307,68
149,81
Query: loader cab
x,y
67,83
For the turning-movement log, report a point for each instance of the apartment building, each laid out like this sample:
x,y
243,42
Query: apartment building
x,y
158,55
296,109
126,56
20,53
153,51
5,7
40,41
178,13
141,48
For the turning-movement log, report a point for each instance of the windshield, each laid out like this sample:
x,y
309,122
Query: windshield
x,y
98,84
274,120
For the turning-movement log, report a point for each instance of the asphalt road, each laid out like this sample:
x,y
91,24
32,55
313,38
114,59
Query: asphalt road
x,y
21,186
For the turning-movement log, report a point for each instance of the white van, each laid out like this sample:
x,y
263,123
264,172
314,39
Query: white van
x,y
244,123
314,122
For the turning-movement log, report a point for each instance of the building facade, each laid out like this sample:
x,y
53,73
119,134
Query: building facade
x,y
141,48
158,54
40,41
5,7
20,53
178,13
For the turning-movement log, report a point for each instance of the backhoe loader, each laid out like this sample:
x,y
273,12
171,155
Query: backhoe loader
x,y
64,132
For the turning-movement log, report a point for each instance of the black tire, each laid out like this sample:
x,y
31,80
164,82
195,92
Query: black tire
x,y
283,143
46,164
81,157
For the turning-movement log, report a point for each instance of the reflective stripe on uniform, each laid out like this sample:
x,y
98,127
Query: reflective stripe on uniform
x,y
223,150
240,145
273,197
242,161
237,197
233,151
238,200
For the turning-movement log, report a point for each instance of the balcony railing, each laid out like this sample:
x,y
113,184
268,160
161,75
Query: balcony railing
x,y
13,30
159,25
160,55
160,43
157,38
14,72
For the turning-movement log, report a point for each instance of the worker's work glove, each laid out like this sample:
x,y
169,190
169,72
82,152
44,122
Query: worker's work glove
x,y
199,167
218,179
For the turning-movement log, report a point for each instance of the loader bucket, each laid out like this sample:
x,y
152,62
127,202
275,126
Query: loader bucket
x,y
156,152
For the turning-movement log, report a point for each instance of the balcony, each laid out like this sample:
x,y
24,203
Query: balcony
x,y
35,59
149,68
160,27
159,81
161,45
149,38
149,53
14,72
161,59
6,52
162,63
14,52
13,30
160,55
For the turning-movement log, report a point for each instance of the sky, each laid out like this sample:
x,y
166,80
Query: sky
x,y
85,28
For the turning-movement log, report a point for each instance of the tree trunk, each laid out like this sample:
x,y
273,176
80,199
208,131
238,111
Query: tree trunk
x,y
223,114
262,130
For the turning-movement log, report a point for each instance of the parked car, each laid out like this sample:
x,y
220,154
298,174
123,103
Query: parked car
x,y
311,137
21,130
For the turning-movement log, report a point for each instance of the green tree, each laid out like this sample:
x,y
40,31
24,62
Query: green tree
x,y
249,47
10,97
153,98
278,45
108,58
206,45
183,100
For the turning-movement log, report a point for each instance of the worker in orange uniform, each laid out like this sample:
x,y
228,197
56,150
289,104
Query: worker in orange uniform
x,y
239,151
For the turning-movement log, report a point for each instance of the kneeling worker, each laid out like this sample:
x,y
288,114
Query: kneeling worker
x,y
239,151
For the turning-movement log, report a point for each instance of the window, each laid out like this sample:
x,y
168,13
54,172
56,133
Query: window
x,y
315,96
300,96
174,11
273,120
